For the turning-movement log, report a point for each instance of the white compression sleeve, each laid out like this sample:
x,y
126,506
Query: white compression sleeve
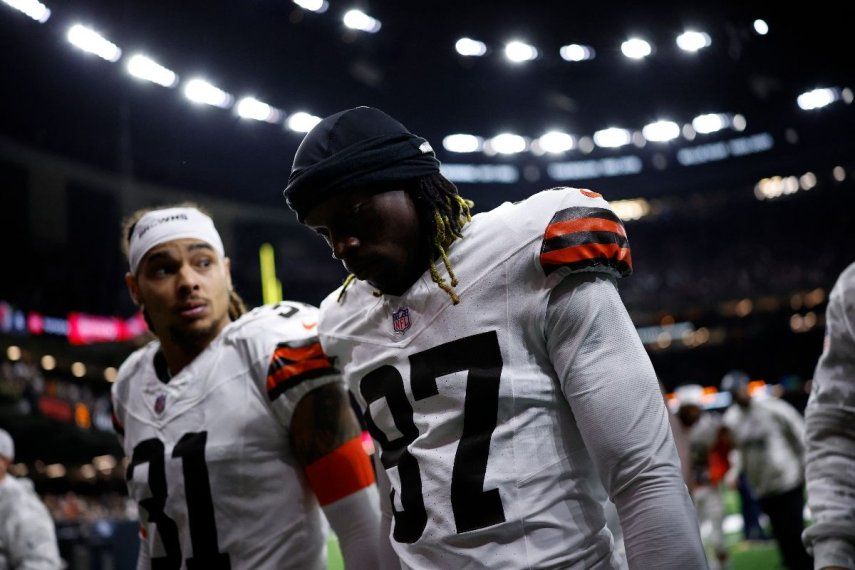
x,y
611,386
356,521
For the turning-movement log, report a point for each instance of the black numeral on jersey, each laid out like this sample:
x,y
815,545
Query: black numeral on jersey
x,y
386,382
286,310
151,451
200,507
473,507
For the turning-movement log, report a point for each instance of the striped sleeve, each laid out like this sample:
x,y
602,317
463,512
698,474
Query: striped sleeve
x,y
294,363
585,238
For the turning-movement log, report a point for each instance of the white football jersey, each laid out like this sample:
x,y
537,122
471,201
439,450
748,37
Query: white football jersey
x,y
210,461
484,455
769,436
830,434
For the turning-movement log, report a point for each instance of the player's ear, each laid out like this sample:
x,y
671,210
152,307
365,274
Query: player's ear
x,y
133,288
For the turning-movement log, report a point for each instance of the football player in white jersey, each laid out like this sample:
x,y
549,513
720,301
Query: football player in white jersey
x,y
238,428
830,435
499,370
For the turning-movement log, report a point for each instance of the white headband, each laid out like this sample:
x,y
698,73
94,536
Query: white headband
x,y
161,226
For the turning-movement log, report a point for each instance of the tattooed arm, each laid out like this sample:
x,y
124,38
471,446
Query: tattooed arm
x,y
325,438
322,422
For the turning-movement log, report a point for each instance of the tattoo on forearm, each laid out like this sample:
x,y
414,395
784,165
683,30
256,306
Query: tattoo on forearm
x,y
322,422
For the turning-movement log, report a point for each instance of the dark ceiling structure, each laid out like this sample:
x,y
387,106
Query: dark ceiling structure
x,y
61,99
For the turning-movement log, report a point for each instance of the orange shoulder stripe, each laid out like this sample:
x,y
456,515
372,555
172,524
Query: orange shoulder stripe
x,y
583,225
587,251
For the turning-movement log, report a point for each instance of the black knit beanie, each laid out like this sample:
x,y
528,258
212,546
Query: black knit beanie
x,y
357,148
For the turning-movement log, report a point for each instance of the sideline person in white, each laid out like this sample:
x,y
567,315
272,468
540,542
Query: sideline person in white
x,y
27,536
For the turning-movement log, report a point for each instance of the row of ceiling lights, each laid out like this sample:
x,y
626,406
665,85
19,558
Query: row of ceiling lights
x,y
518,51
201,91
557,142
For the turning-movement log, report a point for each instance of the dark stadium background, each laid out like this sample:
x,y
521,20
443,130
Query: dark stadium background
x,y
83,144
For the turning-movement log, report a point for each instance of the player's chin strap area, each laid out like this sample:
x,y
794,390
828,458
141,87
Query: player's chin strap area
x,y
343,481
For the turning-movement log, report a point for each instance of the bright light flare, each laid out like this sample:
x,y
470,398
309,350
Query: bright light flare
x,y
462,143
301,122
520,52
32,8
577,52
692,41
661,131
556,142
91,41
470,48
613,137
636,48
252,108
507,143
317,6
200,91
147,69
359,20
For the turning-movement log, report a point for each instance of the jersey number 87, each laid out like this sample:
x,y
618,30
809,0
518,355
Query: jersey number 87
x,y
473,507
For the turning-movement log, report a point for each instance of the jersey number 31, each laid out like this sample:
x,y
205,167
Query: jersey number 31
x,y
200,509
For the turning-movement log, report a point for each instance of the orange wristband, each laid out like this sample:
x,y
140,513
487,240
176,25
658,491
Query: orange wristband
x,y
341,472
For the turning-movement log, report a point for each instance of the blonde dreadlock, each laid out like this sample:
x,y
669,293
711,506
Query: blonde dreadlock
x,y
445,212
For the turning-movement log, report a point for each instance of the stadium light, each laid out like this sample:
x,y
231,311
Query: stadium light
x,y
110,374
91,41
519,52
252,108
507,143
147,69
462,143
709,123
817,98
661,131
317,6
359,20
576,52
13,353
55,471
693,41
200,91
636,48
629,210
613,137
556,142
470,48
301,122
48,362
78,369
32,8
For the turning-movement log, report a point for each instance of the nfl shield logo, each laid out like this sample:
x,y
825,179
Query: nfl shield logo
x,y
160,403
401,320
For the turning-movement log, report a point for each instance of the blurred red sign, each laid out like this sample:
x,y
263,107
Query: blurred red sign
x,y
90,329
56,409
35,323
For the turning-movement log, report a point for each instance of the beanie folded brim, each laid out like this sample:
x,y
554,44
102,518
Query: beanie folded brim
x,y
375,161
